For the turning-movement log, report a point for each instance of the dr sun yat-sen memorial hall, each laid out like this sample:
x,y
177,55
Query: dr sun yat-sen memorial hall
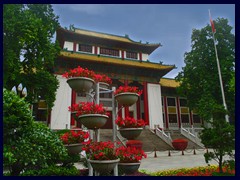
x,y
126,62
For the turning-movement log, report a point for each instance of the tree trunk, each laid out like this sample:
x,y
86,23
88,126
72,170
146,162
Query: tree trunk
x,y
220,164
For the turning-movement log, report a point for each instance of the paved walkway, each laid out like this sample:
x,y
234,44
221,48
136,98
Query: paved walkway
x,y
176,160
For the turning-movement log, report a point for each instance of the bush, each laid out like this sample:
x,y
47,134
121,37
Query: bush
x,y
28,145
37,148
53,171
16,116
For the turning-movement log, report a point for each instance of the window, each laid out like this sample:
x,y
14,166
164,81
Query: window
x,y
172,118
42,115
109,52
185,118
183,102
131,55
85,48
171,101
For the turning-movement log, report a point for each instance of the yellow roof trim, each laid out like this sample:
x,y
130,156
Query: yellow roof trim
x,y
169,83
115,61
106,36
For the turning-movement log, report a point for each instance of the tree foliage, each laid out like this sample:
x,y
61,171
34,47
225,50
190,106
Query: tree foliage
x,y
220,137
28,51
199,80
28,145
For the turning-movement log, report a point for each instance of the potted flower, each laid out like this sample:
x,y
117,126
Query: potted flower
x,y
103,80
101,155
134,143
180,144
130,158
129,127
91,115
80,79
127,95
73,140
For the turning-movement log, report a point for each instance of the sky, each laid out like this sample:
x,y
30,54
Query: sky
x,y
170,25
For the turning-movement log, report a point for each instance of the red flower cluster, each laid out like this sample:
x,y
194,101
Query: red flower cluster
x,y
134,143
88,108
100,150
129,122
102,78
79,72
74,137
84,72
130,154
123,89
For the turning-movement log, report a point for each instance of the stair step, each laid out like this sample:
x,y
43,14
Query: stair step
x,y
150,140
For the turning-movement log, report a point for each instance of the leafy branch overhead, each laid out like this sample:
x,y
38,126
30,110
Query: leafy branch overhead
x,y
28,49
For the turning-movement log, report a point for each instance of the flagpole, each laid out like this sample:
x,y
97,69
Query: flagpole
x,y
219,70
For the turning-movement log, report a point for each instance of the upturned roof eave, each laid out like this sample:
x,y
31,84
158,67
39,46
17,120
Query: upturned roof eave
x,y
149,48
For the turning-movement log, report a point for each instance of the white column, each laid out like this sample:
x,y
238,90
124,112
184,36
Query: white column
x,y
60,116
154,105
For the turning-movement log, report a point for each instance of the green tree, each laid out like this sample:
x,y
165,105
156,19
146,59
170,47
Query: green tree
x,y
28,145
28,51
199,80
220,137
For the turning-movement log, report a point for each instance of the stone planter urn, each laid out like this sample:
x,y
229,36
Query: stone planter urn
x,y
127,98
130,133
104,85
103,166
180,144
73,148
93,121
80,84
128,168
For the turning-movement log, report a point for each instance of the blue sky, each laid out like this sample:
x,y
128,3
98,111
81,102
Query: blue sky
x,y
168,24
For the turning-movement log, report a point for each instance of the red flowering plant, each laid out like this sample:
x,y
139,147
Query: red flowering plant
x,y
130,89
87,108
102,78
79,72
129,122
74,137
100,150
130,154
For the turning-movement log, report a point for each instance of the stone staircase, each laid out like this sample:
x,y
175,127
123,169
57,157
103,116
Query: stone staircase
x,y
106,135
175,134
150,140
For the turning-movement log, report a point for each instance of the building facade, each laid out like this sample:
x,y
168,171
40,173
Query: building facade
x,y
126,62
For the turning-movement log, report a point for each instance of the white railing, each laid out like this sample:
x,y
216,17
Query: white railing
x,y
121,139
161,134
191,136
165,137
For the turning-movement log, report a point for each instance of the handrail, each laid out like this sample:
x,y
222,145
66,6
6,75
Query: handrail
x,y
166,138
191,136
